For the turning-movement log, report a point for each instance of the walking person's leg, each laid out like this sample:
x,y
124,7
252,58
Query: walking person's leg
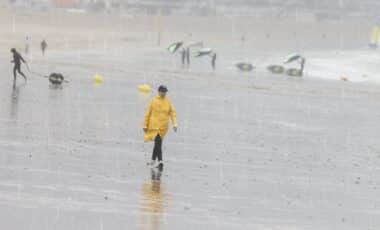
x,y
155,149
159,148
159,152
21,73
14,73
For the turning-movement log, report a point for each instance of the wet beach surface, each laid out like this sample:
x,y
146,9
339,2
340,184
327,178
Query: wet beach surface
x,y
253,151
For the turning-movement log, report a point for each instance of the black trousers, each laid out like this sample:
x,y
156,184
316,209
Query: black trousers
x,y
157,150
17,68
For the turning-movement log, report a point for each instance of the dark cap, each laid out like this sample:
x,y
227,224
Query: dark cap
x,y
13,50
162,88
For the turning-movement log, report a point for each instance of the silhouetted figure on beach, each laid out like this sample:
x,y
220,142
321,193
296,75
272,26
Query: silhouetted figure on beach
x,y
188,56
213,61
17,59
302,63
43,47
183,57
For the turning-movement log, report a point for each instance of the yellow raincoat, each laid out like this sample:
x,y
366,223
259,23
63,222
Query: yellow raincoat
x,y
157,118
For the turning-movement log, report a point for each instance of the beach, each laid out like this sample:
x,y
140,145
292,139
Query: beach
x,y
253,150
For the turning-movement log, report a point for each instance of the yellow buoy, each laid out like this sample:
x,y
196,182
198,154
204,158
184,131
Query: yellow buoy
x,y
98,79
294,72
144,88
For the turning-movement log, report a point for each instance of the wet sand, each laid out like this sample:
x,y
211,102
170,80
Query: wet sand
x,y
253,151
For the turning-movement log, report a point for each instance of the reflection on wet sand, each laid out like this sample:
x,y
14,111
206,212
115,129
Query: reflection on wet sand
x,y
153,204
14,100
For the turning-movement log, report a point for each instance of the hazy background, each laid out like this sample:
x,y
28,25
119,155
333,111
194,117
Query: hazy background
x,y
312,9
334,35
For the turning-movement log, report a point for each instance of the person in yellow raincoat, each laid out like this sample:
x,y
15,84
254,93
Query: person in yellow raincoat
x,y
156,123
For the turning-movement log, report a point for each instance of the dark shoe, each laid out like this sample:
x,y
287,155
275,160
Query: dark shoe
x,y
160,166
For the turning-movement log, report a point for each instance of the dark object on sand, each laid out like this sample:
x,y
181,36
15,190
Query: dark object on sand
x,y
56,78
244,66
294,72
213,61
276,69
43,47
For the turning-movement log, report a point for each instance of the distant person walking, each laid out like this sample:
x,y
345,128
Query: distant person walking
x,y
43,47
213,61
188,56
302,63
17,59
156,123
183,57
